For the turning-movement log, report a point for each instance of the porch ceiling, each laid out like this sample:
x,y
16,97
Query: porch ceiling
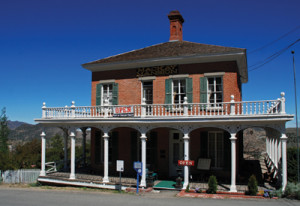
x,y
213,121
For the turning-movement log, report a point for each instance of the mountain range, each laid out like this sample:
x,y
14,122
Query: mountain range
x,y
22,131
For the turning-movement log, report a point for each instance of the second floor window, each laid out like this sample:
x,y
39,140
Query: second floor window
x,y
211,90
215,90
107,93
179,91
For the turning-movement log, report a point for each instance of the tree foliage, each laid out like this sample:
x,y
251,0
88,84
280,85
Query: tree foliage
x,y
28,155
4,131
292,164
55,150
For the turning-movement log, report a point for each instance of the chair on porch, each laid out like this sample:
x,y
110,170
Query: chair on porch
x,y
203,166
151,174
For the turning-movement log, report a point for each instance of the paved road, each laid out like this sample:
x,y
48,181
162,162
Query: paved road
x,y
47,197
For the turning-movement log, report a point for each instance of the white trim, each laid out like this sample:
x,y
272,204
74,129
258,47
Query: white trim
x,y
147,78
214,74
178,76
79,183
142,89
214,91
108,81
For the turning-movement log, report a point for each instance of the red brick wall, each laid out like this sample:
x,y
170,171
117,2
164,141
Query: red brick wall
x,y
130,86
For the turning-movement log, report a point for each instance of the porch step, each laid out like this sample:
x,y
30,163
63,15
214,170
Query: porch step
x,y
164,184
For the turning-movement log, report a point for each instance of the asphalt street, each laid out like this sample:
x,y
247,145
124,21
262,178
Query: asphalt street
x,y
50,197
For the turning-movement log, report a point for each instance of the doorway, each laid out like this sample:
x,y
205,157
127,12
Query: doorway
x,y
175,152
148,95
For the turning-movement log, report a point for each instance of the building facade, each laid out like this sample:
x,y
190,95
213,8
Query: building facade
x,y
172,101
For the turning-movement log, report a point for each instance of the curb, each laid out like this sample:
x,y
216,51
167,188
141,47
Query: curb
x,y
225,195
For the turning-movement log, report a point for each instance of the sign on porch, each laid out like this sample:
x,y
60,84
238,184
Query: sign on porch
x,y
126,111
120,165
186,162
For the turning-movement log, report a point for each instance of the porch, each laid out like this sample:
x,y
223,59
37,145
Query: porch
x,y
230,117
95,181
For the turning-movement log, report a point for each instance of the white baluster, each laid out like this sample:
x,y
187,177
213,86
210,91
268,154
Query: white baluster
x,y
158,110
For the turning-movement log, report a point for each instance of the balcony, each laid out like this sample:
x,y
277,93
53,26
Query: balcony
x,y
232,109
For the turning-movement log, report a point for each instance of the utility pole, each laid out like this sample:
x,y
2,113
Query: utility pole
x,y
295,86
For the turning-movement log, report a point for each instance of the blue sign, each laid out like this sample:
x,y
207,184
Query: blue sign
x,y
138,167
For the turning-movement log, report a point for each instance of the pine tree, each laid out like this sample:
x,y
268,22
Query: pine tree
x,y
4,131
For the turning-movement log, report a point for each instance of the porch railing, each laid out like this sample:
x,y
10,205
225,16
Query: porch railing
x,y
232,108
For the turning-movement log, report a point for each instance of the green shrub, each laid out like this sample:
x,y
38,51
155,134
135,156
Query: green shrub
x,y
292,164
276,193
252,185
35,184
187,189
292,190
212,185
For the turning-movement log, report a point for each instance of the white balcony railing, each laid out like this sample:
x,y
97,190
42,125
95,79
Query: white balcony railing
x,y
232,108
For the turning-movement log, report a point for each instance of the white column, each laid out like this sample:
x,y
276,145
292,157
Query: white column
x,y
72,174
267,145
272,150
143,140
65,150
43,155
186,140
279,151
284,161
106,148
233,163
275,152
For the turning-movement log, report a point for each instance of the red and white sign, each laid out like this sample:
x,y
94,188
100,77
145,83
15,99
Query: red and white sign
x,y
123,111
186,162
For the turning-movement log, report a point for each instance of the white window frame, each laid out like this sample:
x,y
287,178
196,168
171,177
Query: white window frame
x,y
214,92
142,89
215,166
108,92
178,79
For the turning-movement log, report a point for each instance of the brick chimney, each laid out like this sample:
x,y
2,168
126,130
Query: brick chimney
x,y
176,22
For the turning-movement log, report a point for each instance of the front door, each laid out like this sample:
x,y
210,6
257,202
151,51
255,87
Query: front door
x,y
175,152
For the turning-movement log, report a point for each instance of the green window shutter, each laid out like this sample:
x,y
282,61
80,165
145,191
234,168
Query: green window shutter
x,y
168,91
203,89
115,93
115,146
189,89
134,141
203,144
98,94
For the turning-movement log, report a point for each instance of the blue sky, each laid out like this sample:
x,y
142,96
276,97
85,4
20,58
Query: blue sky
x,y
44,43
